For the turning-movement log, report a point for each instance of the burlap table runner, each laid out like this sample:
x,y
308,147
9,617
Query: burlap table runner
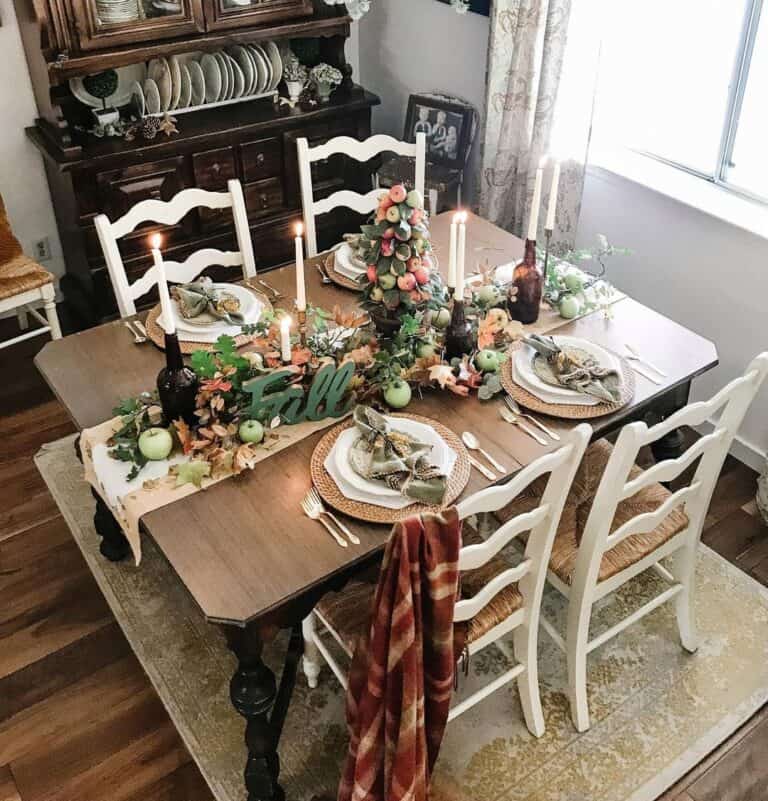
x,y
159,492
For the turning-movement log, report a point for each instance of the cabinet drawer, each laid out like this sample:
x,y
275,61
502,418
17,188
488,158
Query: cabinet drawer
x,y
262,159
263,197
214,168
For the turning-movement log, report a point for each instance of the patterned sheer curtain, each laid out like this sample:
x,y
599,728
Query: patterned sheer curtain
x,y
542,63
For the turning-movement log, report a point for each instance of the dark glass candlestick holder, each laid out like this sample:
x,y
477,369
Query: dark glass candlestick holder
x,y
458,335
176,385
529,283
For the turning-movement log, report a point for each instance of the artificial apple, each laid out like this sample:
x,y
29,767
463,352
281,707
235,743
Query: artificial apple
x,y
372,273
441,318
415,199
427,262
488,294
385,201
421,274
487,361
574,282
397,393
389,233
387,247
413,264
393,214
416,216
387,281
426,350
251,431
381,215
403,251
398,193
155,444
406,282
377,294
569,307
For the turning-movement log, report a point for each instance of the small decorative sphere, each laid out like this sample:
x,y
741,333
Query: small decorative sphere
x,y
398,193
393,214
397,394
406,282
387,281
155,444
442,318
569,307
426,350
415,199
573,282
487,361
488,294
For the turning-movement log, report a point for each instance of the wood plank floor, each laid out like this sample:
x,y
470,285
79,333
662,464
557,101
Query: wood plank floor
x,y
79,720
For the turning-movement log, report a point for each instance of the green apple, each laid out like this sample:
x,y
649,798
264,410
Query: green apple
x,y
387,281
426,350
397,393
441,318
574,282
377,294
393,214
569,307
251,431
415,199
156,444
487,361
488,294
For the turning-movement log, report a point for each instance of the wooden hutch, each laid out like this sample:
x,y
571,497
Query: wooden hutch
x,y
254,141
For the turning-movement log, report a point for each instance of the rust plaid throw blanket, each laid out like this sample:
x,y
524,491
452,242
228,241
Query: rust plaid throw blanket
x,y
401,678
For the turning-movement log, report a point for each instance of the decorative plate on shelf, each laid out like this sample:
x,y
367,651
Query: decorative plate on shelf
x,y
126,78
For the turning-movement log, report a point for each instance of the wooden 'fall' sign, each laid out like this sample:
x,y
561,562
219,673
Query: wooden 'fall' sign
x,y
270,397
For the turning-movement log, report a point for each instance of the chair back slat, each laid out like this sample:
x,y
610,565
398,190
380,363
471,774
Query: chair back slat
x,y
541,523
169,213
360,151
694,498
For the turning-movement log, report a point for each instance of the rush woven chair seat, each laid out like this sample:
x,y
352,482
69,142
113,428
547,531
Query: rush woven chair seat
x,y
497,597
347,613
577,509
24,284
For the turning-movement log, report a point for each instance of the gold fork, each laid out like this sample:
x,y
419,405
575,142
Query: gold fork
x,y
315,512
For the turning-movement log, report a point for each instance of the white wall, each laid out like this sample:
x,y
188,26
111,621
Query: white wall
x,y
412,46
22,179
704,273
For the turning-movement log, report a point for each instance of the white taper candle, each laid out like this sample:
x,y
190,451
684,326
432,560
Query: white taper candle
x,y
285,339
169,321
301,288
452,251
461,255
552,209
533,225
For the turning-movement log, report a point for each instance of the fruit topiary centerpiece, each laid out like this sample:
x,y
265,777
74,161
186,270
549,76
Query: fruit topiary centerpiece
x,y
402,275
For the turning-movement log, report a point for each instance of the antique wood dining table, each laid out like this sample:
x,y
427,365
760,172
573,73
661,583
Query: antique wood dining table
x,y
250,559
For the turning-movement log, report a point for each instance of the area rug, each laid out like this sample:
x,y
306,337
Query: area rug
x,y
656,710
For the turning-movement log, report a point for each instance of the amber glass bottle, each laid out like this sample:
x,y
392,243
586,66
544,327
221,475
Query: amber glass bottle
x,y
529,283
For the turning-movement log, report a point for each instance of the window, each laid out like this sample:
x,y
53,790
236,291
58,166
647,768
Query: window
x,y
685,81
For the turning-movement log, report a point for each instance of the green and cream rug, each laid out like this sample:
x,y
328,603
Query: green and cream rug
x,y
656,710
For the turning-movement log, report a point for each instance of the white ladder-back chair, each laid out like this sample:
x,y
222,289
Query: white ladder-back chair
x,y
361,151
515,589
169,213
671,528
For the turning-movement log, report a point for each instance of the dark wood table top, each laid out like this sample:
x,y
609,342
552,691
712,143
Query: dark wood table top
x,y
243,548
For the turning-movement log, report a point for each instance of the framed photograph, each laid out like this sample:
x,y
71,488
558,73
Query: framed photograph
x,y
448,127
478,6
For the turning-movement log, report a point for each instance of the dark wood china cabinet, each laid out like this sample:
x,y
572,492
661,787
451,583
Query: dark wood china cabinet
x,y
254,140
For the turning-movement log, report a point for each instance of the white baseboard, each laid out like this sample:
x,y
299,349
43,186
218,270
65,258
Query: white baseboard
x,y
741,449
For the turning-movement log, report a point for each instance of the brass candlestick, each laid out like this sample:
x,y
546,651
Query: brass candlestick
x,y
301,316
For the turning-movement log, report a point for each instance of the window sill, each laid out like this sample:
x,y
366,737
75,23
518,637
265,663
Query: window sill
x,y
683,187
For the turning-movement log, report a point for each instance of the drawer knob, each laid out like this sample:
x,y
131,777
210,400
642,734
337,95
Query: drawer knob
x,y
260,159
264,201
216,168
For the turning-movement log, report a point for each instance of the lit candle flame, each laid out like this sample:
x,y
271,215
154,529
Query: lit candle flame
x,y
543,162
299,229
155,241
458,217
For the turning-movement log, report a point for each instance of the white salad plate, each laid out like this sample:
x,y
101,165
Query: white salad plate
x,y
346,263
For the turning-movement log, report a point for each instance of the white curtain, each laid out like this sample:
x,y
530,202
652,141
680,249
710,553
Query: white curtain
x,y
542,62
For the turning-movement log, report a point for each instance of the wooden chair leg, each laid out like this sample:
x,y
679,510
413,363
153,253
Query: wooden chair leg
x,y
577,638
22,317
684,570
525,641
53,318
311,662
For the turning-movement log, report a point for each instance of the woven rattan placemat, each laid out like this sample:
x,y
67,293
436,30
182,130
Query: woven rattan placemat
x,y
332,495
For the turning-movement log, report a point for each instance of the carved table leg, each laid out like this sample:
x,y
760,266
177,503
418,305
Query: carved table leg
x,y
114,546
671,445
253,691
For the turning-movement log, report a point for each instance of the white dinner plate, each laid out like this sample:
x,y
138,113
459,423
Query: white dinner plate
x,y
209,66
238,77
273,54
185,98
262,69
176,87
442,455
152,96
345,263
251,306
240,54
548,397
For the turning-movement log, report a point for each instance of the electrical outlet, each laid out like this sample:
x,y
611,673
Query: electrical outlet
x,y
43,249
